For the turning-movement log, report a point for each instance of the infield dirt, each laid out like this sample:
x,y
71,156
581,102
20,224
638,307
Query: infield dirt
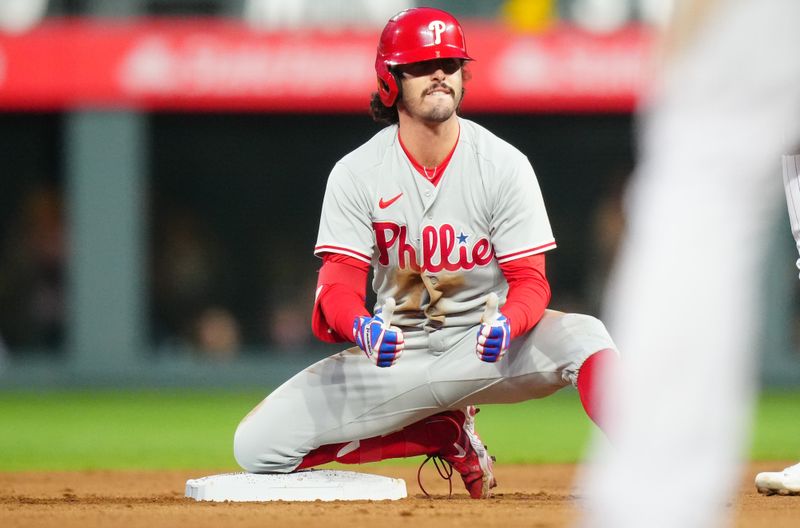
x,y
538,496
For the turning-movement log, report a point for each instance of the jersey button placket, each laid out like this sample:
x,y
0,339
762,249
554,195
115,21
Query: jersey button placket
x,y
427,213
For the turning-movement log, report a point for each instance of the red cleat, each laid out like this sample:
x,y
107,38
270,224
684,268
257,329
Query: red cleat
x,y
468,456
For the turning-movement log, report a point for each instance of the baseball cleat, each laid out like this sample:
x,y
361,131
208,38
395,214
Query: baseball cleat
x,y
467,456
475,465
786,482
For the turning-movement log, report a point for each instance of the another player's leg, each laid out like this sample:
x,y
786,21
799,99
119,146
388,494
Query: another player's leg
x,y
786,482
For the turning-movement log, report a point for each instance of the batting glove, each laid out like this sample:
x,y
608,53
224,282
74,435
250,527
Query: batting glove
x,y
493,339
382,344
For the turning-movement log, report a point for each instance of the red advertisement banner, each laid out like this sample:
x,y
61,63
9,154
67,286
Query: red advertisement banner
x,y
216,65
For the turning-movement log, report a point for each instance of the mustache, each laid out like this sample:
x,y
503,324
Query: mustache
x,y
438,86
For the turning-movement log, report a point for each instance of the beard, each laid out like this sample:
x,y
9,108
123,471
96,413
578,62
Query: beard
x,y
438,112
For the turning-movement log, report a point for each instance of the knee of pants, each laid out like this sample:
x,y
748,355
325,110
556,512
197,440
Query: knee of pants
x,y
256,452
589,331
579,320
586,335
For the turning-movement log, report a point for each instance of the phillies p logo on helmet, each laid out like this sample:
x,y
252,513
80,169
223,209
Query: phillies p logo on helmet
x,y
437,26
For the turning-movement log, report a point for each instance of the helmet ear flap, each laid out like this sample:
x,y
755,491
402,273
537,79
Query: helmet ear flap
x,y
388,86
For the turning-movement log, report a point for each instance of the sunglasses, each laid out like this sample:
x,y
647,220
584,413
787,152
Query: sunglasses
x,y
420,69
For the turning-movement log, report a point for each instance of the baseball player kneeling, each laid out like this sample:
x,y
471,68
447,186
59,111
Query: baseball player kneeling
x,y
452,222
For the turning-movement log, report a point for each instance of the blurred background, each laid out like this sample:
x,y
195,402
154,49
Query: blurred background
x,y
163,162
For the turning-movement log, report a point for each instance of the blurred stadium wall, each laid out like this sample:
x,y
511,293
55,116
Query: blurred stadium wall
x,y
164,162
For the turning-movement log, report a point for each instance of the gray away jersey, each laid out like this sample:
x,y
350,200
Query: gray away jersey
x,y
435,249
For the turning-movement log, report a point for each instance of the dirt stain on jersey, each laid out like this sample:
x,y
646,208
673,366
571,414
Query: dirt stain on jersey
x,y
413,291
441,285
410,290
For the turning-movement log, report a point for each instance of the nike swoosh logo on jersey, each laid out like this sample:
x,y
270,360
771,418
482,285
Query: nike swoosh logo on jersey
x,y
384,204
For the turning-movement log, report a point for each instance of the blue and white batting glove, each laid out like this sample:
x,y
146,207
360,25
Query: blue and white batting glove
x,y
382,345
493,339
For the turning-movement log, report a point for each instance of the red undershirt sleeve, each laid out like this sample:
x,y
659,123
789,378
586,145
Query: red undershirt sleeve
x,y
341,293
528,293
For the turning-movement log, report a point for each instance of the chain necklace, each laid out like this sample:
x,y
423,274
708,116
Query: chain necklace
x,y
430,175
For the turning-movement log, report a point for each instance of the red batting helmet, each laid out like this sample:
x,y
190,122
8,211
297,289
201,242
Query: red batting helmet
x,y
416,35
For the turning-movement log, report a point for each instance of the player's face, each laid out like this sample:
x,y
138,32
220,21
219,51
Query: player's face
x,y
432,89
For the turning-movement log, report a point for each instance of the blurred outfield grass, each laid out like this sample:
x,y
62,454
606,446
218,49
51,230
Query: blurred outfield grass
x,y
193,429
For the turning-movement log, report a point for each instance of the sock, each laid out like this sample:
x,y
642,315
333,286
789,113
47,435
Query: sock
x,y
589,379
435,434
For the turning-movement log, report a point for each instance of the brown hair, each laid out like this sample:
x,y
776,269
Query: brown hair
x,y
382,114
